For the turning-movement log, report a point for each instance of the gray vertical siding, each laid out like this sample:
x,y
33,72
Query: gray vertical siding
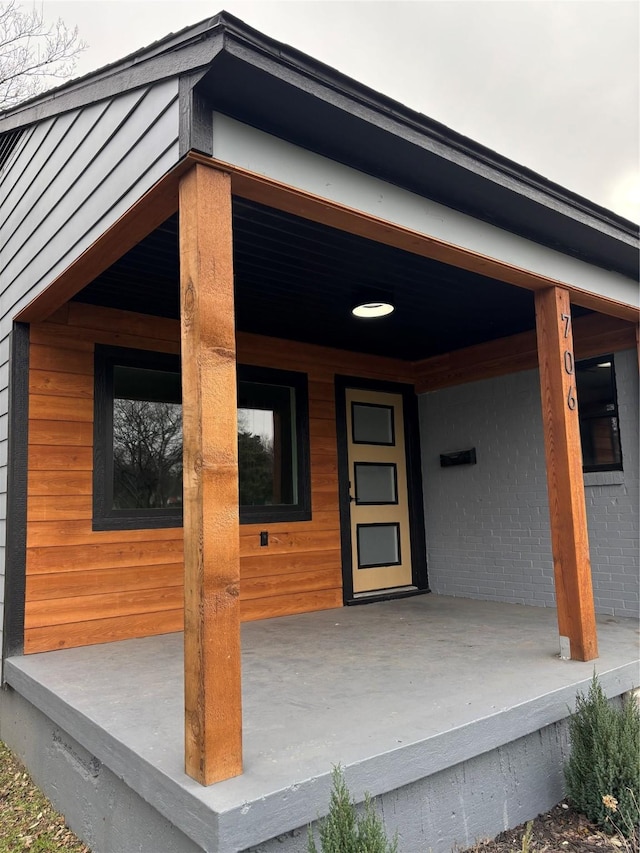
x,y
99,161
66,180
487,524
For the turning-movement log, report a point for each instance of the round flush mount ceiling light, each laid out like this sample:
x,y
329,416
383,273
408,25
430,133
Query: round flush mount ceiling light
x,y
605,364
378,308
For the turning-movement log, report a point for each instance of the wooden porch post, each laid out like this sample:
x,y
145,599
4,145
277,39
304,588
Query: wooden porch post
x,y
570,544
213,712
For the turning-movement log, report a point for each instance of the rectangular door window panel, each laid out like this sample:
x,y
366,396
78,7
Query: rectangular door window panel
x,y
378,545
372,424
376,483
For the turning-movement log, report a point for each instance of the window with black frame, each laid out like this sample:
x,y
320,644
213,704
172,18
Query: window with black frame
x,y
598,409
138,442
273,445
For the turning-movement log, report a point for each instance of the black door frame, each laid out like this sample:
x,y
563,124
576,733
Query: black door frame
x,y
414,484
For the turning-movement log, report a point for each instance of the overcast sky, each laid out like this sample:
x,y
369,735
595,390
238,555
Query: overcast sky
x,y
552,85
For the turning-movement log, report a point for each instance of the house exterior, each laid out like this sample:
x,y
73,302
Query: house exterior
x,y
185,234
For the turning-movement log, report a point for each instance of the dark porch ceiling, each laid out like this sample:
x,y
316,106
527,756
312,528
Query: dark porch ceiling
x,y
295,279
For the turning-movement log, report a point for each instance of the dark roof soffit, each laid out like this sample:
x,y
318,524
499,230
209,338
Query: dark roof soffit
x,y
401,120
251,94
196,47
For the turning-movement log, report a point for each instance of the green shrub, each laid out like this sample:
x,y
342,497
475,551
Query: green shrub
x,y
605,758
345,831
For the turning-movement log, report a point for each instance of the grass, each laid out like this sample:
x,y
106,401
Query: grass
x,y
28,821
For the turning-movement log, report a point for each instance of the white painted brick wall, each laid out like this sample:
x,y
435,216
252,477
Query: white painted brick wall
x,y
487,525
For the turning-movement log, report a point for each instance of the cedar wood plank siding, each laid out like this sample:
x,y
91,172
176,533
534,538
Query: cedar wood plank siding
x,y
86,586
66,181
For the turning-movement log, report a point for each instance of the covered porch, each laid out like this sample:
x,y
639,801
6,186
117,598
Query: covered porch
x,y
213,302
430,703
202,250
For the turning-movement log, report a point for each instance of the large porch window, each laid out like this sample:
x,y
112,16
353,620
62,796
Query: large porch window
x,y
138,442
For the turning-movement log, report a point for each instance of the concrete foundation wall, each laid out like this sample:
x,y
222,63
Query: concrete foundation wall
x,y
474,799
470,801
100,808
487,525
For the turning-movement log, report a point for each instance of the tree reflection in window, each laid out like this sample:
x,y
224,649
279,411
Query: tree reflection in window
x,y
137,480
255,449
147,439
267,445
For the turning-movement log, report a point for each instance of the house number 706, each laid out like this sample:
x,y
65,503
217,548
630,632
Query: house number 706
x,y
569,364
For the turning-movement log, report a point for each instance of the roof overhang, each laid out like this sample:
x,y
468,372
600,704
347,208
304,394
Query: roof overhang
x,y
236,70
252,79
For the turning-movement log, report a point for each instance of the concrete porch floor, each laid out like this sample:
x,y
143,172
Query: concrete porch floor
x,y
394,691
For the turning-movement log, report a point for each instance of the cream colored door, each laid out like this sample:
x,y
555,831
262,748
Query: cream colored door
x,y
379,508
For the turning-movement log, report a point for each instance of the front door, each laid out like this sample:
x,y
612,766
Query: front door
x,y
378,491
